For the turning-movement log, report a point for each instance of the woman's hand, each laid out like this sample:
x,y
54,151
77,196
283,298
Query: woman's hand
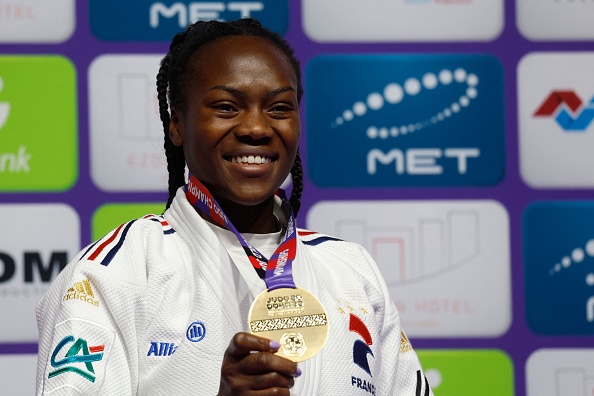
x,y
250,367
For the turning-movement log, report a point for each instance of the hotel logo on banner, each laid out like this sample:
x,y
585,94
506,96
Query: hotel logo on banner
x,y
556,119
27,21
149,20
559,253
405,120
457,250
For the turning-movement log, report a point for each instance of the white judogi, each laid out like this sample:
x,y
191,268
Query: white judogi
x,y
150,309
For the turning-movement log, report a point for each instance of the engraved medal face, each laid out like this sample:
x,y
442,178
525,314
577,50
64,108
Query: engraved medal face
x,y
293,317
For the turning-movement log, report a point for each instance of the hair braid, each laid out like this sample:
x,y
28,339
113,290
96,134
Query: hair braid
x,y
297,191
174,154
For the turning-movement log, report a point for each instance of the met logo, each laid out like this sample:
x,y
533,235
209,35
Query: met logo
x,y
142,20
559,253
383,120
78,359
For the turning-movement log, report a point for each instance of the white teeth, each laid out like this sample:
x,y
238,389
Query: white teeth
x,y
252,159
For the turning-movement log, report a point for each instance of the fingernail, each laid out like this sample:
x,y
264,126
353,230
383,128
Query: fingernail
x,y
274,345
298,372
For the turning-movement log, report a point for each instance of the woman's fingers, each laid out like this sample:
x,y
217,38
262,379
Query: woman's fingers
x,y
250,366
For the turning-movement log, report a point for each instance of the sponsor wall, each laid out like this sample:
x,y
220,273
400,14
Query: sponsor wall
x,y
453,139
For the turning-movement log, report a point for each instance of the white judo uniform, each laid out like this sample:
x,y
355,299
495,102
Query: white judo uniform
x,y
150,308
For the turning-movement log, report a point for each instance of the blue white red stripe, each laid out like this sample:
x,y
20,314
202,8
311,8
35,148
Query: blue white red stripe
x,y
167,229
313,238
105,249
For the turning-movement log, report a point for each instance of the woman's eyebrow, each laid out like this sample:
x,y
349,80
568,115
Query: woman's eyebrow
x,y
241,93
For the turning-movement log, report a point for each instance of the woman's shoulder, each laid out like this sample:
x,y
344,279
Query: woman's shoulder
x,y
325,243
134,235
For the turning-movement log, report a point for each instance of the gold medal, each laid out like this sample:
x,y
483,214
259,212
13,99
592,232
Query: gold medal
x,y
293,317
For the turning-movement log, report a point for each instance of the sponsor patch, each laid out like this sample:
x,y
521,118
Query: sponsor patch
x,y
79,357
196,331
405,345
82,291
162,349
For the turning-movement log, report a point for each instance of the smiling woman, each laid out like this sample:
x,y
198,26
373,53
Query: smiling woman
x,y
223,293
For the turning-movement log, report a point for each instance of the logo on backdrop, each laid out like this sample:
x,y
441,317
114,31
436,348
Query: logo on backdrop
x,y
403,20
560,372
4,107
458,250
567,109
124,116
21,21
159,21
405,120
556,119
36,161
558,265
37,242
555,19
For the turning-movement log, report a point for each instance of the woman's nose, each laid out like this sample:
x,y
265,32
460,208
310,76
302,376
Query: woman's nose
x,y
254,124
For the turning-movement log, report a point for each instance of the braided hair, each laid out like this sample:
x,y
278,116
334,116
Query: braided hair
x,y
175,73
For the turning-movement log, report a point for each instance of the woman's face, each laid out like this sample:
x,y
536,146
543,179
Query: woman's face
x,y
241,127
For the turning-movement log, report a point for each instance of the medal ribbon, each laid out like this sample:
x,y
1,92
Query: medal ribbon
x,y
279,268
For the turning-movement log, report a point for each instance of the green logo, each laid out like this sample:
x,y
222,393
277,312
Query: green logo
x,y
457,372
110,216
66,364
38,132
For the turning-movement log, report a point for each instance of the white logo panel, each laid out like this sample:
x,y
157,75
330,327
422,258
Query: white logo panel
x,y
555,19
402,20
126,132
560,372
446,263
556,152
17,374
36,240
36,21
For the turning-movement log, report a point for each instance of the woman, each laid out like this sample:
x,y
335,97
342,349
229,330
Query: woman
x,y
161,304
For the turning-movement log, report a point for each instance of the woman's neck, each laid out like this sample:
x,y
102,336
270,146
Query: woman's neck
x,y
254,219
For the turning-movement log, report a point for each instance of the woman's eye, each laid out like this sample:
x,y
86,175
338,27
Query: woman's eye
x,y
225,107
281,108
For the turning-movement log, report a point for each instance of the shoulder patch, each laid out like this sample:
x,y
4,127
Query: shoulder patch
x,y
80,352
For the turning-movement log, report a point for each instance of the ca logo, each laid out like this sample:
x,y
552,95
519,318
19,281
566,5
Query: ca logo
x,y
4,107
67,364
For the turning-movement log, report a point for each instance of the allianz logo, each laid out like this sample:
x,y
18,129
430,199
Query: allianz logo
x,y
415,161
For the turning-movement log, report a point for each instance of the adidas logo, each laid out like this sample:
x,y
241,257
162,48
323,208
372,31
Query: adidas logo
x,y
81,291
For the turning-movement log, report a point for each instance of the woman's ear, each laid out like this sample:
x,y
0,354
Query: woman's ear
x,y
175,133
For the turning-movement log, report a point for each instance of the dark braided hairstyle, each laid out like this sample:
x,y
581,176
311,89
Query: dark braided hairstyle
x,y
175,73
